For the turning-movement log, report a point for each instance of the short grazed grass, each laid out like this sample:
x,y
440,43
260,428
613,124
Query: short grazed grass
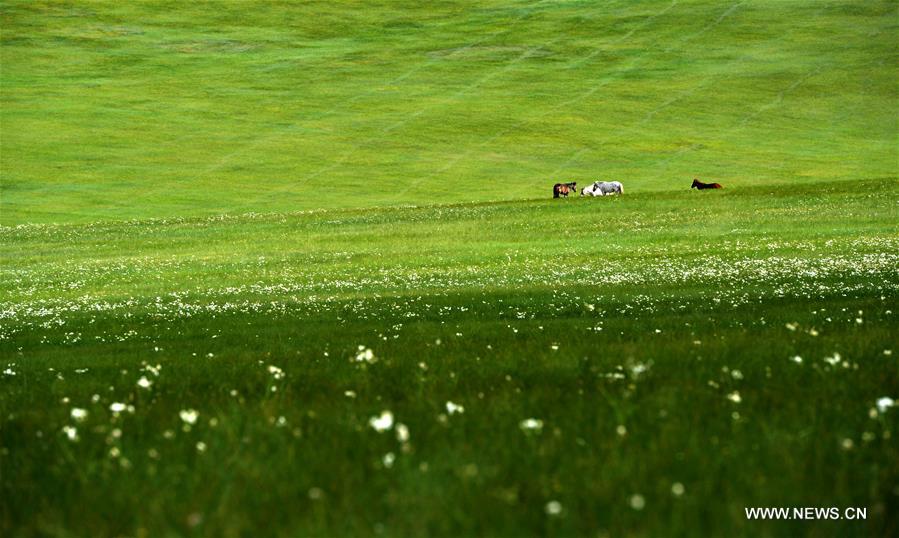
x,y
119,110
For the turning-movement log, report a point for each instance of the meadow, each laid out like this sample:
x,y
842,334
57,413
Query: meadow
x,y
294,269
643,365
117,110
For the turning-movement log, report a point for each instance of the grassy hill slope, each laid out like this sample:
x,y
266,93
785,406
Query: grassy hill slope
x,y
147,109
681,356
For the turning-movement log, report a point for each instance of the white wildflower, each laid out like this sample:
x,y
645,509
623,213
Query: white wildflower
x,y
553,508
452,408
637,501
189,416
78,414
402,433
639,368
382,423
365,355
531,424
144,383
71,432
884,403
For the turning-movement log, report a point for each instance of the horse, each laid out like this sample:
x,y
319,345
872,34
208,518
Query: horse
x,y
703,186
603,188
591,190
562,189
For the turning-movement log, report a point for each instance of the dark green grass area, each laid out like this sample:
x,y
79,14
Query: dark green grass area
x,y
661,369
118,110
654,336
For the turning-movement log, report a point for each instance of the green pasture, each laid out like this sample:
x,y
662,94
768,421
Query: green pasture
x,y
293,269
643,365
119,110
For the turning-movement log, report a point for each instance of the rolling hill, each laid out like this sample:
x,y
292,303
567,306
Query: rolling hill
x,y
152,109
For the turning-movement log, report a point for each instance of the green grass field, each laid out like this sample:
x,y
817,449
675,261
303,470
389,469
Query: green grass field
x,y
132,110
294,270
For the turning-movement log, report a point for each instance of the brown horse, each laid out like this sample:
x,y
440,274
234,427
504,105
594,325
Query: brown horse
x,y
703,186
562,189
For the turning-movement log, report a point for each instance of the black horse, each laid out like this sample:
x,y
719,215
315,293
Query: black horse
x,y
703,186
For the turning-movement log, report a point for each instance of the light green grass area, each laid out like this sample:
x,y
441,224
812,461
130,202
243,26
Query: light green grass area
x,y
238,237
146,109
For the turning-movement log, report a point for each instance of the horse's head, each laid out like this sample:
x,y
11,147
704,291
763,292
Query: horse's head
x,y
695,183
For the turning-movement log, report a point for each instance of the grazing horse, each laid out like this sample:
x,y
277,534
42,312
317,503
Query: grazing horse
x,y
703,186
562,189
603,188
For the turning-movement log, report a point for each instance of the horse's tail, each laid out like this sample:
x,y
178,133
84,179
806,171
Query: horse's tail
x,y
620,188
555,191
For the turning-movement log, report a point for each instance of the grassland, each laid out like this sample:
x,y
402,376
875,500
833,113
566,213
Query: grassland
x,y
292,270
139,109
654,336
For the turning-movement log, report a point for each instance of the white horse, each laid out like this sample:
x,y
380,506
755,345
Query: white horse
x,y
603,188
591,190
